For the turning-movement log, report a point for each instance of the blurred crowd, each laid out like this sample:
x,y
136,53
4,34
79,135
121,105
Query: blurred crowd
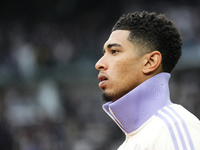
x,y
49,95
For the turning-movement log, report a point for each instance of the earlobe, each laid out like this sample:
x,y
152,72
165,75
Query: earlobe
x,y
152,62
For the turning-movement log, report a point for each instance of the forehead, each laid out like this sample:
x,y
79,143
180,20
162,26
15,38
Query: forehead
x,y
118,37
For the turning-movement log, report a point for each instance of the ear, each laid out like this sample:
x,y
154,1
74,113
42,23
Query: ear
x,y
152,62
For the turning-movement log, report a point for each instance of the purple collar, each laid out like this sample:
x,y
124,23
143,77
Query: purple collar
x,y
137,106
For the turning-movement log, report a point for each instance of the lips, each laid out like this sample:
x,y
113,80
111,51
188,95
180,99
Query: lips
x,y
103,79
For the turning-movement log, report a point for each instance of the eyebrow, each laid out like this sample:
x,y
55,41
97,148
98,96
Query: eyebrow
x,y
111,45
114,44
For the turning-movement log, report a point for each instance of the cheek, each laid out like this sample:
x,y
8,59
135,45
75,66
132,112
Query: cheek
x,y
123,70
126,66
130,72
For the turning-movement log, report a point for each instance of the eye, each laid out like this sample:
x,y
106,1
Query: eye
x,y
114,51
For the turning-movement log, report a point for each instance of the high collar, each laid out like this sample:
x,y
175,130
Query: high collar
x,y
137,106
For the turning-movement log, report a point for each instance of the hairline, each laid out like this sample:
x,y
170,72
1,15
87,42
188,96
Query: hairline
x,y
141,49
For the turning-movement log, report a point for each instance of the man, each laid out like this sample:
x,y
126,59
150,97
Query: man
x,y
134,71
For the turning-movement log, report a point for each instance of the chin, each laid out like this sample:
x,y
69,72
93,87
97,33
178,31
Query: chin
x,y
107,97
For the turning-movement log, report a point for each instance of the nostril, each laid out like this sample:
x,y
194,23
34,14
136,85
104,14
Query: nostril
x,y
98,66
101,67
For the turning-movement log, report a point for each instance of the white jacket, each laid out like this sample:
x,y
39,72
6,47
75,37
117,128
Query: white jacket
x,y
151,121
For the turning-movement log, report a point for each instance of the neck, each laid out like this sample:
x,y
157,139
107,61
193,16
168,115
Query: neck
x,y
137,106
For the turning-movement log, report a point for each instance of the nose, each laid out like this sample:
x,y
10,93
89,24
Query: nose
x,y
101,64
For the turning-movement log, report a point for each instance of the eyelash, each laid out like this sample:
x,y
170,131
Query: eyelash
x,y
114,51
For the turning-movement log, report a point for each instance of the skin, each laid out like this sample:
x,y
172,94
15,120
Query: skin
x,y
121,68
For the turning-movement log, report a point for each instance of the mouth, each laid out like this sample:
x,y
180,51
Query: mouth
x,y
102,79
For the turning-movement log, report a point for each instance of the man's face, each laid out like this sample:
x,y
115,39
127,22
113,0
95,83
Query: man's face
x,y
120,67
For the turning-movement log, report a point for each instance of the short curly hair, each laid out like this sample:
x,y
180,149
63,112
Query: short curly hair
x,y
151,32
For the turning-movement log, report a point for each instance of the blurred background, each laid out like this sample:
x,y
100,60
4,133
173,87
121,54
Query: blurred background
x,y
49,95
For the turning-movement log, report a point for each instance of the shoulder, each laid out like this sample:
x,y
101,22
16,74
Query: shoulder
x,y
152,135
173,127
182,126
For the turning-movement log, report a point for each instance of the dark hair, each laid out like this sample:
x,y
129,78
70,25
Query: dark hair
x,y
151,32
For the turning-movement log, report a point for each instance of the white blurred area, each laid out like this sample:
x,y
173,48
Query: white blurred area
x,y
49,95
